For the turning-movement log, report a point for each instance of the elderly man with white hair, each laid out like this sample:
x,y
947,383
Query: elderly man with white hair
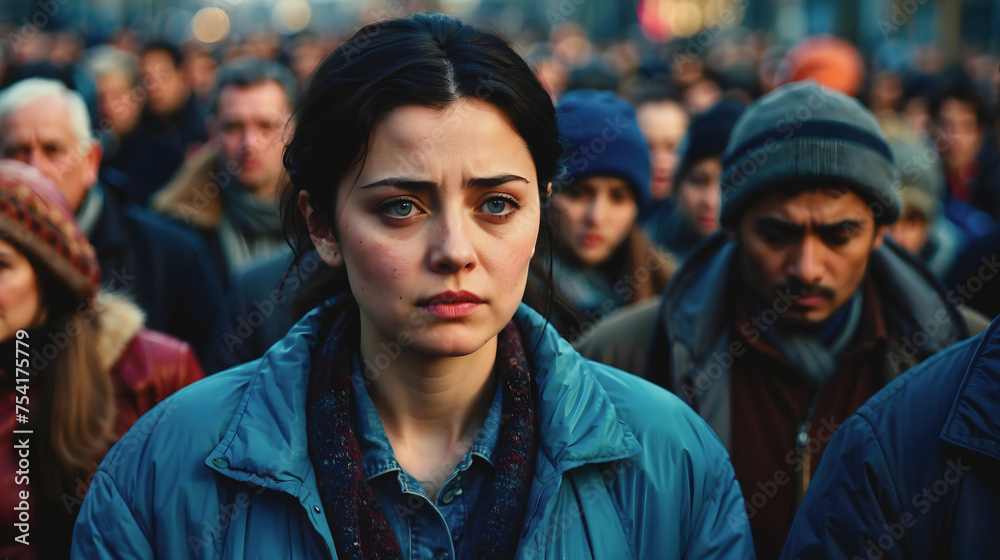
x,y
163,266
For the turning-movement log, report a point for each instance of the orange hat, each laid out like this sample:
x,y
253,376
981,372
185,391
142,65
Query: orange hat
x,y
829,60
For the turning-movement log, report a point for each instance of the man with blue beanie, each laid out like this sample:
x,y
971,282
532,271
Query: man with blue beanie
x,y
778,327
603,260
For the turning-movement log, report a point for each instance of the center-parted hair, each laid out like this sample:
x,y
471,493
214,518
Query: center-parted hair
x,y
430,60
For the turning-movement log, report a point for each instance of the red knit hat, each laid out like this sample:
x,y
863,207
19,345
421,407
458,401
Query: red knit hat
x,y
35,216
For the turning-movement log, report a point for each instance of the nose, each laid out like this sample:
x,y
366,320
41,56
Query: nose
x,y
452,250
805,262
595,210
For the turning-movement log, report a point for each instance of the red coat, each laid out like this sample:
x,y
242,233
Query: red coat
x,y
146,366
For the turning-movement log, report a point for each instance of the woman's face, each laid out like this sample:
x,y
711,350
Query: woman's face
x,y
699,198
437,230
20,301
596,214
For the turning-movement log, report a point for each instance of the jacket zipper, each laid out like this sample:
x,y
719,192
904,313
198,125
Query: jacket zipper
x,y
802,448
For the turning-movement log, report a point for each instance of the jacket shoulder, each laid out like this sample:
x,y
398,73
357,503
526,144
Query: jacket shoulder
x,y
656,416
185,426
680,492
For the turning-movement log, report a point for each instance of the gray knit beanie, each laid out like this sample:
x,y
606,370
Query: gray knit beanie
x,y
802,134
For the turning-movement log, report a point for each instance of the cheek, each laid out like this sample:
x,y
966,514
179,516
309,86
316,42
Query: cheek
x,y
764,266
624,216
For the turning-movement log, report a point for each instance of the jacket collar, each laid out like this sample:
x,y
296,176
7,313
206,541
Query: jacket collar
x,y
266,443
697,295
974,422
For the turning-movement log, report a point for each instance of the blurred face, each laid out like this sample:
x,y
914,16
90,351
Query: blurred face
x,y
250,123
811,248
958,132
166,86
910,230
699,197
595,215
39,134
20,302
118,102
663,124
437,231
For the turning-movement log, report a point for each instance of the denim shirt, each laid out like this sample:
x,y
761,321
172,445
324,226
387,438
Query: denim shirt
x,y
448,528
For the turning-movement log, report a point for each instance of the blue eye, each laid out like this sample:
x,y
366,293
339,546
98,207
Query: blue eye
x,y
399,208
499,206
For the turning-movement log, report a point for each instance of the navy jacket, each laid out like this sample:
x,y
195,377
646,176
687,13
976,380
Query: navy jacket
x,y
915,473
164,267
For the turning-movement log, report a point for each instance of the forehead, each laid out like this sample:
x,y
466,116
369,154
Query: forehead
x,y
157,58
602,183
661,115
46,118
814,207
264,100
471,127
955,109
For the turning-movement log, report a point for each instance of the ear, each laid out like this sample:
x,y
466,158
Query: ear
x,y
93,163
879,236
326,246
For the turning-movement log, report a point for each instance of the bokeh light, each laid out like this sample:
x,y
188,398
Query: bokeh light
x,y
210,25
291,16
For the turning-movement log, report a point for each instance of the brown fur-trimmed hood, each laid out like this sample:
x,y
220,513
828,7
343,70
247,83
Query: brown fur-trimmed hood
x,y
118,322
192,196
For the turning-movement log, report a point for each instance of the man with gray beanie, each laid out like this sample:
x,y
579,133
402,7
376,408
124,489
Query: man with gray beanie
x,y
778,327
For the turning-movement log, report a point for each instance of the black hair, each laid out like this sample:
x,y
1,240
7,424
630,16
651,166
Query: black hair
x,y
246,72
430,60
161,45
963,92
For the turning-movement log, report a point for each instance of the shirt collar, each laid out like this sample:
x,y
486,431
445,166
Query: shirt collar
x,y
377,455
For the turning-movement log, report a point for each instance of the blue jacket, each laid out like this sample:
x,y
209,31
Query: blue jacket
x,y
915,473
221,470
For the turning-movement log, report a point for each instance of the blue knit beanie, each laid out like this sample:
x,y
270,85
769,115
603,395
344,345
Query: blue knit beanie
x,y
802,134
600,136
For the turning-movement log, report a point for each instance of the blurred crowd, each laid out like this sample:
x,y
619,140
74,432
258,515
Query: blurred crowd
x,y
170,159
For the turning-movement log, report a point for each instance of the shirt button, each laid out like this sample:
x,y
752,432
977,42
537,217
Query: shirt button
x,y
441,554
448,497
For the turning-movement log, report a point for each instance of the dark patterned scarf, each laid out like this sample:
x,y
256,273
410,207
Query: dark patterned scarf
x,y
359,525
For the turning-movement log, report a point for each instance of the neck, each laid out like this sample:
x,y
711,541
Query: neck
x,y
420,398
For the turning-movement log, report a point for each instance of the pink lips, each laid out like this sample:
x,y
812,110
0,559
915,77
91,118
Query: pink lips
x,y
452,305
809,301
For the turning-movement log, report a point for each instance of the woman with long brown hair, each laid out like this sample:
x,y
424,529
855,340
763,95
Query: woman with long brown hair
x,y
78,366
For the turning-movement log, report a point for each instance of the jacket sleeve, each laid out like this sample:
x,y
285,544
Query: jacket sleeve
x,y
852,507
106,527
722,530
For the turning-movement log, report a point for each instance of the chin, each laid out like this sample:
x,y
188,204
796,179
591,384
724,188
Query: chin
x,y
447,346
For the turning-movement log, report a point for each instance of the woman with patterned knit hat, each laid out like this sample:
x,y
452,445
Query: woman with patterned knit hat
x,y
78,367
421,411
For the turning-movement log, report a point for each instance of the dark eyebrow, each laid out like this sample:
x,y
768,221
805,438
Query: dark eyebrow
x,y
403,183
780,225
414,185
845,226
490,182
